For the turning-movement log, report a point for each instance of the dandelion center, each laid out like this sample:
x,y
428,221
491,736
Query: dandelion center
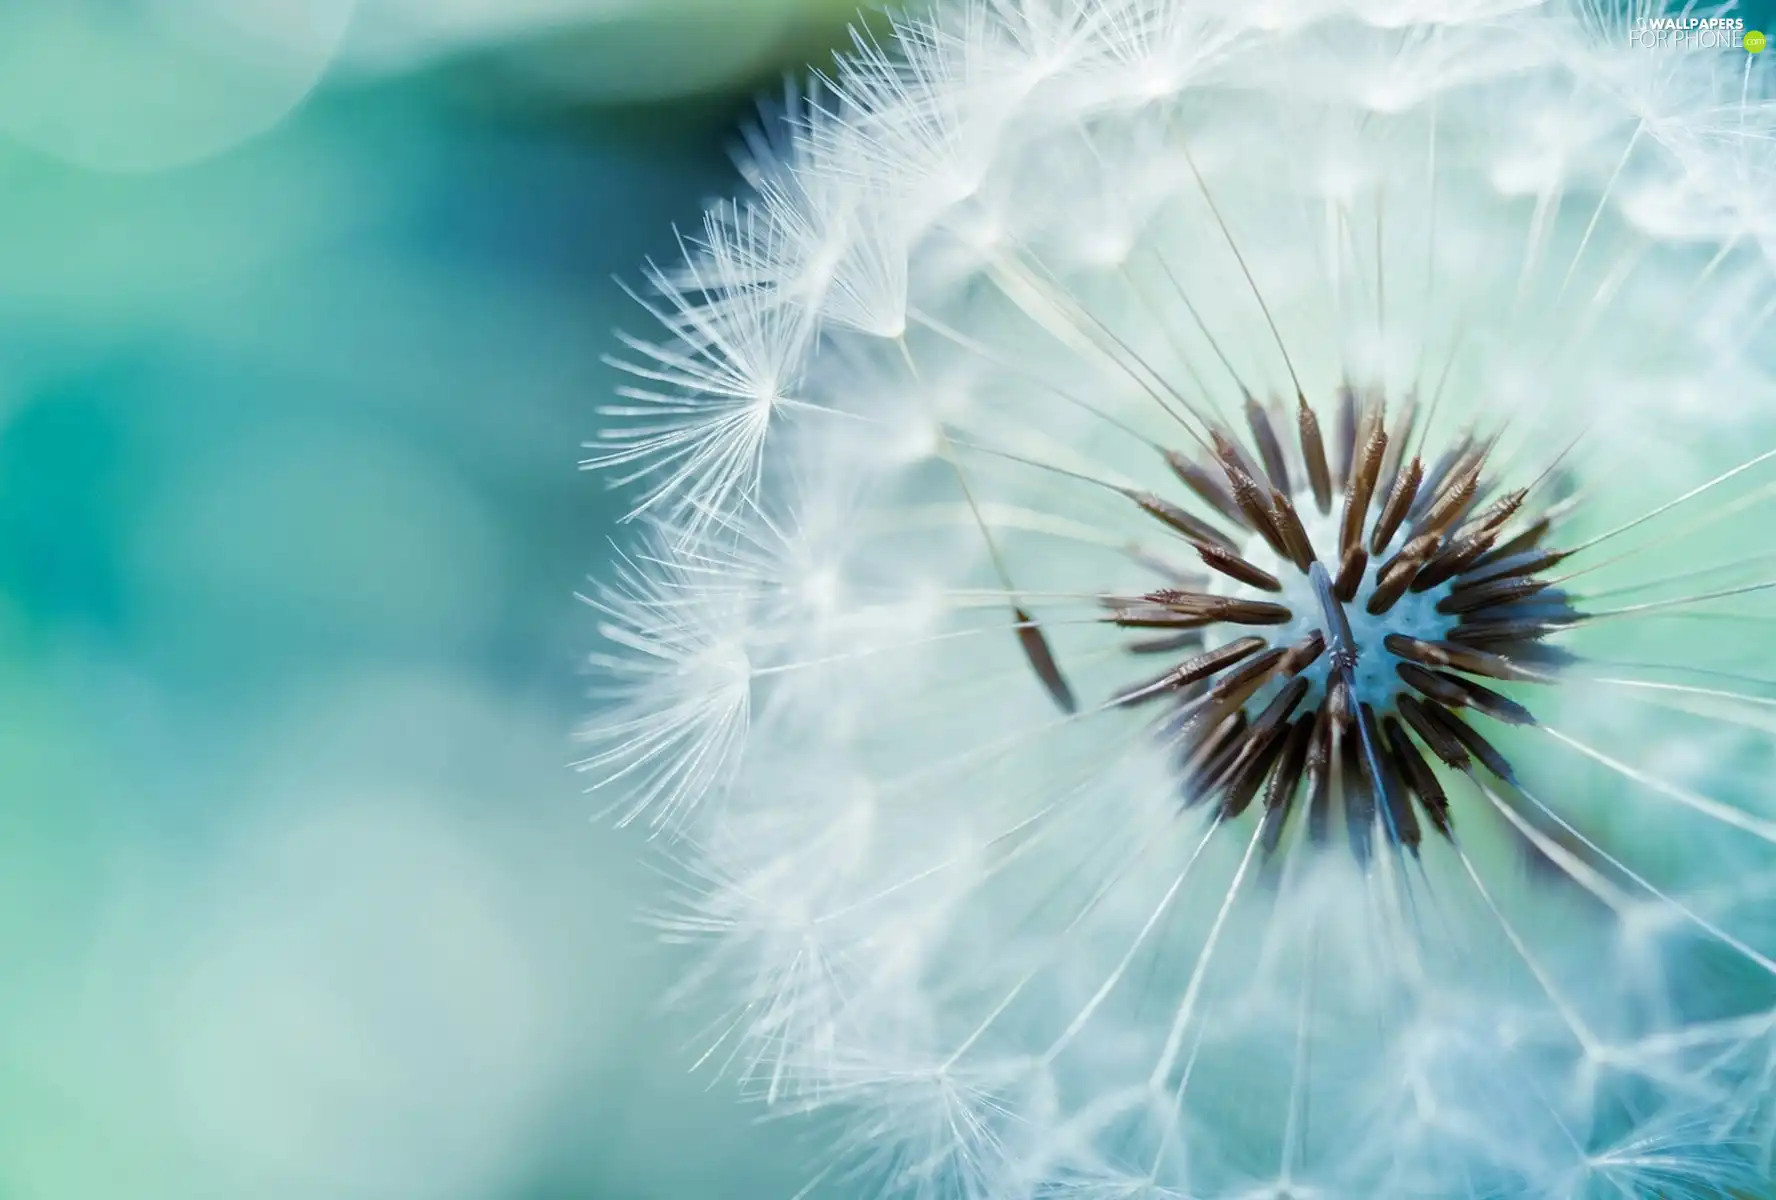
x,y
1363,608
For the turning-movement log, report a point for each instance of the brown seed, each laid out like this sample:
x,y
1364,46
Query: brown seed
x,y
1194,528
1270,450
1272,720
1526,562
1199,667
1460,658
1489,633
1313,452
1399,572
1436,686
1494,515
1224,700
1528,539
1344,439
1282,705
1371,410
1223,767
1359,798
1391,584
1299,549
1235,567
1147,690
1042,661
1303,654
1253,471
1454,559
1319,778
1244,777
1418,775
1398,440
1206,747
1483,699
1285,778
1450,504
1479,746
1237,687
1464,598
1396,803
1254,505
1361,487
1231,609
1153,617
1205,483
1420,547
1446,467
1350,573
1399,500
1444,744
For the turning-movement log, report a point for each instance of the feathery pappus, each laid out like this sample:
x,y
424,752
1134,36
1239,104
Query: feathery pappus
x,y
1200,619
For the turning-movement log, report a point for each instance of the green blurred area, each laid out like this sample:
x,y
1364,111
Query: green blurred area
x,y
298,897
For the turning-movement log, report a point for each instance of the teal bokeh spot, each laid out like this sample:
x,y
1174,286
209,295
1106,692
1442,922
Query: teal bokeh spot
x,y
71,469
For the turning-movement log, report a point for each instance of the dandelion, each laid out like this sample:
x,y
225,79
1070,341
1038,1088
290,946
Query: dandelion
x,y
1206,622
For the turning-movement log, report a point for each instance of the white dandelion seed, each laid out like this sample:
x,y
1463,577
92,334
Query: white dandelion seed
x,y
693,422
675,686
1245,670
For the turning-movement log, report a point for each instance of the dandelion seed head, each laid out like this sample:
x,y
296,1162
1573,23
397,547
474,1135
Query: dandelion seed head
x,y
1201,620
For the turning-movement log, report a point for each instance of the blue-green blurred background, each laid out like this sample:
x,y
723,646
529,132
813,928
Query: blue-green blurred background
x,y
302,304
